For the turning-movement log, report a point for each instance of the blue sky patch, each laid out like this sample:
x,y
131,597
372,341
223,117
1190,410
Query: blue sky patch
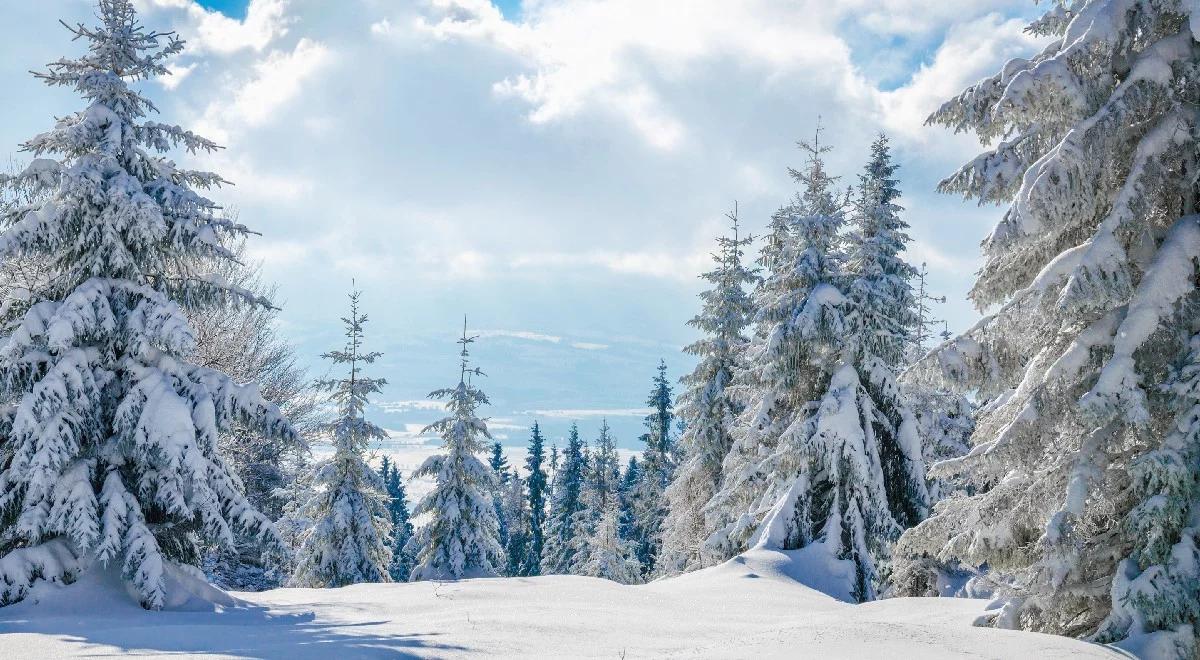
x,y
231,8
510,8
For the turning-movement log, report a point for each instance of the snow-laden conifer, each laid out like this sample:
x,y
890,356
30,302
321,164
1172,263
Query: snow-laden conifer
x,y
348,507
609,555
109,452
1085,501
536,485
798,319
707,408
648,498
460,534
807,467
567,519
603,479
881,323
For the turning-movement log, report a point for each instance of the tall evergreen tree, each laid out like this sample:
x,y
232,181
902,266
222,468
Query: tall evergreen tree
x,y
109,449
348,507
648,498
805,466
708,409
662,415
461,537
1085,456
881,322
536,487
566,507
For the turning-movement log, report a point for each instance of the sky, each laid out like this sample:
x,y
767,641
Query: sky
x,y
554,169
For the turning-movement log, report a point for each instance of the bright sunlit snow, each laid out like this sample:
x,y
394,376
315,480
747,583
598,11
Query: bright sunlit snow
x,y
749,607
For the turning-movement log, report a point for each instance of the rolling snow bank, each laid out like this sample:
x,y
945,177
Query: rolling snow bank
x,y
752,606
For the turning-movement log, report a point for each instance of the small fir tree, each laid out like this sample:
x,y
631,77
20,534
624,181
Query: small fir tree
x,y
348,503
461,536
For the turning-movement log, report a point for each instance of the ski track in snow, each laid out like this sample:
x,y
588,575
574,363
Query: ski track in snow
x,y
748,607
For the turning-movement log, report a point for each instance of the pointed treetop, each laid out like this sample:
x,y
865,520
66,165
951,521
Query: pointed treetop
x,y
465,354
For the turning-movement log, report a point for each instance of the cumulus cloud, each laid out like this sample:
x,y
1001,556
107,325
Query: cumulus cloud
x,y
274,80
213,32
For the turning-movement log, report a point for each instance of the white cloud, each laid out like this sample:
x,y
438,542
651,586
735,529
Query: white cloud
x,y
584,54
588,346
518,334
211,31
177,75
589,412
410,405
275,80
655,264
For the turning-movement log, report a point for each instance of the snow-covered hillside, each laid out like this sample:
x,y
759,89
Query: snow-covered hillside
x,y
748,607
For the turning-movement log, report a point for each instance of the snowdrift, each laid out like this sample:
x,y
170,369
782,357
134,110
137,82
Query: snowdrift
x,y
755,605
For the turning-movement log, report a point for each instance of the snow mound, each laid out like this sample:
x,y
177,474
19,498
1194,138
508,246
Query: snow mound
x,y
751,606
811,572
101,589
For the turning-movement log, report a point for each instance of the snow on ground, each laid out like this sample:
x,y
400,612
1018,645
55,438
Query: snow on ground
x,y
749,607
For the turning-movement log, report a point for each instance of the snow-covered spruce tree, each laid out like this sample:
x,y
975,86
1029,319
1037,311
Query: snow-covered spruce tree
x,y
566,521
1084,457
499,462
806,466
707,409
536,489
348,503
460,538
515,505
647,499
402,529
610,556
798,316
881,322
603,479
108,439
